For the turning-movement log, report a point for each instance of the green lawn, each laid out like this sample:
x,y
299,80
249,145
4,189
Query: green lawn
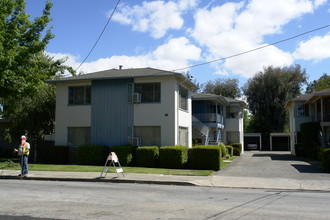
x,y
12,164
84,168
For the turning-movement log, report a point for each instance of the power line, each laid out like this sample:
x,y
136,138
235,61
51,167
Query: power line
x,y
113,11
249,51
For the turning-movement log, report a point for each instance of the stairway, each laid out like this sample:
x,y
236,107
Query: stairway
x,y
202,129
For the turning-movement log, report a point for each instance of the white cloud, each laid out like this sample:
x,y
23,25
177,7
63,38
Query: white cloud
x,y
186,4
263,17
213,22
318,3
249,64
233,28
177,50
156,17
316,49
175,54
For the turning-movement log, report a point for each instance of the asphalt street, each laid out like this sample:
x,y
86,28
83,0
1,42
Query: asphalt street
x,y
87,200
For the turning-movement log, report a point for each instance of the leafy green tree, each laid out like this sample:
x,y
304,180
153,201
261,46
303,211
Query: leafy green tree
x,y
246,120
25,99
268,91
317,85
23,64
33,115
224,87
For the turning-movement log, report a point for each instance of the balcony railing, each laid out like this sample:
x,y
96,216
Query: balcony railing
x,y
209,117
326,116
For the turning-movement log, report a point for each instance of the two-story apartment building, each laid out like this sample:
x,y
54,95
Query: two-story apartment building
x,y
217,119
314,107
142,106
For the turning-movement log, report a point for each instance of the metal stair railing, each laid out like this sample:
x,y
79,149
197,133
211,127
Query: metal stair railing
x,y
201,127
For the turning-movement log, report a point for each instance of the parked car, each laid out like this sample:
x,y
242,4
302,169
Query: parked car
x,y
252,147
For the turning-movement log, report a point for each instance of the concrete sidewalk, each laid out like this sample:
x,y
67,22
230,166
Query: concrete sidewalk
x,y
256,169
208,181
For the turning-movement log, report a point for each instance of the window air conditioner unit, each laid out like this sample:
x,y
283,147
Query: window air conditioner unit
x,y
136,141
136,97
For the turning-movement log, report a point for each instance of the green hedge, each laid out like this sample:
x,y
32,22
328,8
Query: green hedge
x,y
299,150
224,151
126,154
325,159
206,158
7,153
230,150
237,149
147,156
173,157
92,154
310,139
57,155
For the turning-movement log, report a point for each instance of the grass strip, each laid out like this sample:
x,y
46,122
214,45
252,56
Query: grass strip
x,y
85,168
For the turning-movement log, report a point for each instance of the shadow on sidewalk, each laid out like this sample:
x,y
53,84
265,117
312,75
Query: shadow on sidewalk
x,y
273,156
308,168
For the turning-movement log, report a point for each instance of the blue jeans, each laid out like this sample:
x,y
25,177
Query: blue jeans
x,y
24,164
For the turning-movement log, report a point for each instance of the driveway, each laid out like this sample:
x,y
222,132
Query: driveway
x,y
272,164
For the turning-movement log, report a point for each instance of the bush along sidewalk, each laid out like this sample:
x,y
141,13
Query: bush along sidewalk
x,y
206,158
325,159
170,157
175,157
147,156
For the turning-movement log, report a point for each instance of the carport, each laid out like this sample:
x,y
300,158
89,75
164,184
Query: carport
x,y
279,141
252,138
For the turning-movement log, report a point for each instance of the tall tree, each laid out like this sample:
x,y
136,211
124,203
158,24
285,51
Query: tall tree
x,y
33,116
322,83
224,87
46,66
22,46
24,66
267,93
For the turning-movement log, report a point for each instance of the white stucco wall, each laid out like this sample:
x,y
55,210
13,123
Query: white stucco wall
x,y
234,124
184,119
158,114
166,113
295,122
69,116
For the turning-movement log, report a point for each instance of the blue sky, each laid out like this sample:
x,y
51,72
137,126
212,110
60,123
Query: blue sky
x,y
174,34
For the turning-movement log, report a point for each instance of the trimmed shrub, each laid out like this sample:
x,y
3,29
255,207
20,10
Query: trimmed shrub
x,y
206,158
237,149
224,151
299,150
126,154
230,150
173,157
92,154
189,162
57,155
325,159
310,139
7,153
147,156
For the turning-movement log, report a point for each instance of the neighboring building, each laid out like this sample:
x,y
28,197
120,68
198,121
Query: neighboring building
x,y
217,119
314,107
141,106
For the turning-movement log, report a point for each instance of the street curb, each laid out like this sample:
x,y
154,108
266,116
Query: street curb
x,y
97,179
170,183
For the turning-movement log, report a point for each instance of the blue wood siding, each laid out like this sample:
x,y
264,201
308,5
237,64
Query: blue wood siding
x,y
112,114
